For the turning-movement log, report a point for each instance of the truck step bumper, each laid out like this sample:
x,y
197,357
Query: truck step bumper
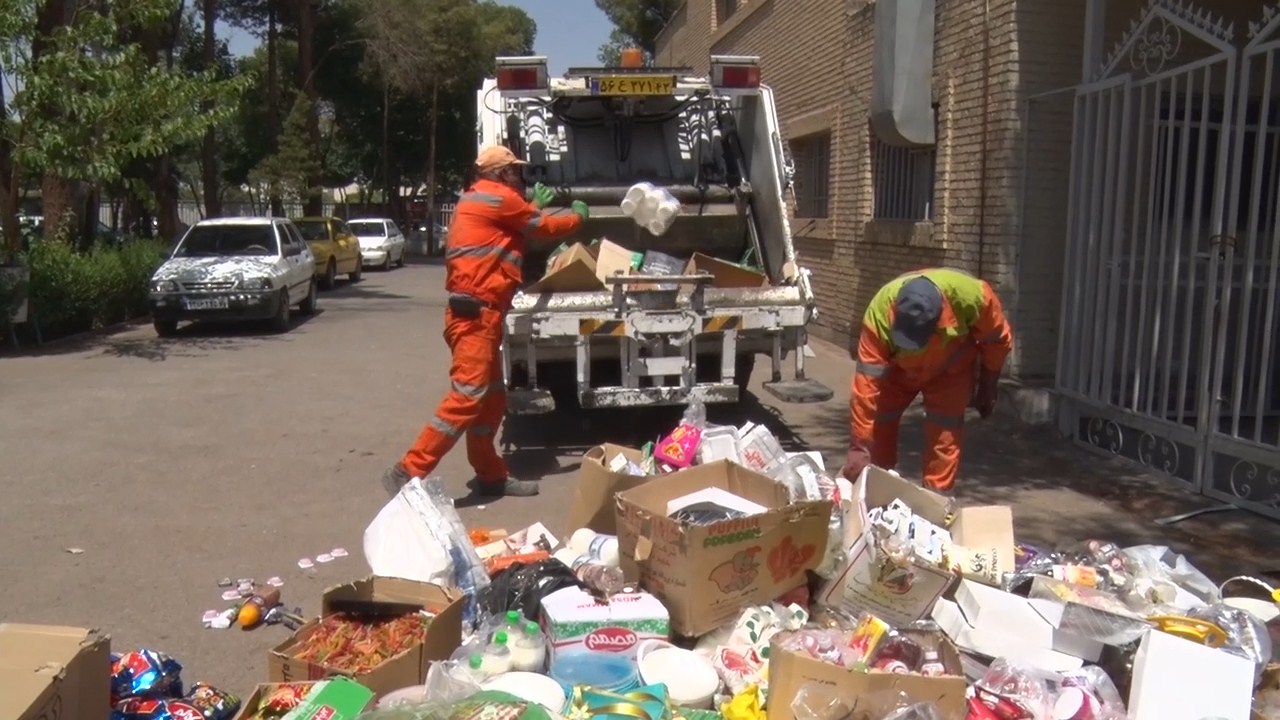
x,y
530,402
799,391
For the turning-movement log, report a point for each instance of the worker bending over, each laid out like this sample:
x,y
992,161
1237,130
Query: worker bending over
x,y
923,333
484,254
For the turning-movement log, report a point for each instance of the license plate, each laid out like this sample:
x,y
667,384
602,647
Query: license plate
x,y
217,303
635,85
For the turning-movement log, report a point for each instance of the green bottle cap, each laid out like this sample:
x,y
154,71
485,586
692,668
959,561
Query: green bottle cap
x,y
531,628
500,637
475,661
513,617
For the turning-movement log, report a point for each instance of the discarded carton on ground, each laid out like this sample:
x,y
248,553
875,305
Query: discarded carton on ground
x,y
48,671
1175,679
575,621
409,667
902,595
996,624
705,574
605,471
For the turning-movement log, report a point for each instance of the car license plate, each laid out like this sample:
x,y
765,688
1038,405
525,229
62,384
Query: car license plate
x,y
216,303
634,85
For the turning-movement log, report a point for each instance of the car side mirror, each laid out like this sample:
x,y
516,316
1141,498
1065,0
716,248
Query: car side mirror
x,y
293,250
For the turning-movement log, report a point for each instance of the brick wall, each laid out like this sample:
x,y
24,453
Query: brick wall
x,y
1035,45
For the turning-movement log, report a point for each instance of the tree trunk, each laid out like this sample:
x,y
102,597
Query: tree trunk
x,y
209,171
166,189
386,152
56,191
314,204
11,239
431,164
273,94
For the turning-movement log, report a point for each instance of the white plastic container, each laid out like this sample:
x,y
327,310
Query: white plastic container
x,y
690,678
532,687
635,198
600,548
497,656
529,653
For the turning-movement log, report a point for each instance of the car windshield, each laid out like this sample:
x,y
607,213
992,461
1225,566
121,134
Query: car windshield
x,y
368,228
313,229
225,240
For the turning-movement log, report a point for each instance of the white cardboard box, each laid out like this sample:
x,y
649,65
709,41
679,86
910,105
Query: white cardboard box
x,y
574,621
1176,679
995,641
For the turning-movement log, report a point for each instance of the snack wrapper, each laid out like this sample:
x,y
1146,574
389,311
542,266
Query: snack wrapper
x,y
213,704
680,448
158,709
144,673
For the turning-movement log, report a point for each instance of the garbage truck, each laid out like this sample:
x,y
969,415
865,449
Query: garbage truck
x,y
619,316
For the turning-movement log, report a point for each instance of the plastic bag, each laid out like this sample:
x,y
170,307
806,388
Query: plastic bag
x,y
818,702
1246,635
419,536
897,705
1029,689
1090,689
1159,574
484,704
522,587
449,680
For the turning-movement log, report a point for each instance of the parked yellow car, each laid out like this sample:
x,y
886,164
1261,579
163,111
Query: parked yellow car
x,y
336,248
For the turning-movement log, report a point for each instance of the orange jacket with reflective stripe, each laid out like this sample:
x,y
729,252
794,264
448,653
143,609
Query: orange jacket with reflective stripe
x,y
972,323
486,245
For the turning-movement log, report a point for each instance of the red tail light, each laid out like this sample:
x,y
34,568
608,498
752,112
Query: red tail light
x,y
741,77
522,73
735,72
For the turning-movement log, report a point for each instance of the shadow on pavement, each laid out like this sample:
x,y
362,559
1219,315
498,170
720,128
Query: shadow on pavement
x,y
362,290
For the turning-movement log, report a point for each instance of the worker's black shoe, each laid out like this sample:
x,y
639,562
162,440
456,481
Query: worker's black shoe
x,y
395,478
509,487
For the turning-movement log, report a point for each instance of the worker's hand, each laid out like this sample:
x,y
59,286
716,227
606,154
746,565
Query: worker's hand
x,y
986,392
855,462
580,208
543,195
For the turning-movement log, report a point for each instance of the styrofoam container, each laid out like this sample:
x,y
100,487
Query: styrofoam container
x,y
691,679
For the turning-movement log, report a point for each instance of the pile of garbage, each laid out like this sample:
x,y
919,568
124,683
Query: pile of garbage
x,y
710,575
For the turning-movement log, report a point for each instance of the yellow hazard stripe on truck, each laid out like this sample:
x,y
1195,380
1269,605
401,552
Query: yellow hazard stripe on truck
x,y
720,323
602,327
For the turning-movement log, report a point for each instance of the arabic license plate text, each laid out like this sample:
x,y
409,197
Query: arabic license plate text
x,y
216,303
636,85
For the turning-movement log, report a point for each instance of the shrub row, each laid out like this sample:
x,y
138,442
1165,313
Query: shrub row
x,y
74,291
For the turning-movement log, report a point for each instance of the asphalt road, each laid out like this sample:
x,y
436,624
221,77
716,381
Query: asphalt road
x,y
136,472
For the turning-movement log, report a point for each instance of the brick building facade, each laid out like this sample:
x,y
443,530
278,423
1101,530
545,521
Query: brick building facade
x,y
989,197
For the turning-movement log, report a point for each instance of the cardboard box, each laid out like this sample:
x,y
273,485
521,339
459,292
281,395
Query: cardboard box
x,y
48,671
575,621
406,669
993,623
903,595
1086,612
705,574
1176,679
725,274
583,268
336,699
789,671
593,501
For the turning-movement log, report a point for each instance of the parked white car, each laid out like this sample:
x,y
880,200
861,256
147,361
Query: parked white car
x,y
235,268
381,241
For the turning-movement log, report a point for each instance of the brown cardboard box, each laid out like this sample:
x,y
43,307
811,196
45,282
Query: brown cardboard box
x,y
705,574
908,594
47,671
406,669
859,691
725,275
593,504
339,699
583,268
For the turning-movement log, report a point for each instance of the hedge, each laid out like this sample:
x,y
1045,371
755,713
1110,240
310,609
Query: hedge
x,y
72,291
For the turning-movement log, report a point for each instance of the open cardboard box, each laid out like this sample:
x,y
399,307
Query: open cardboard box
x,y
335,699
50,672
726,275
903,595
993,623
583,268
593,500
705,574
790,671
409,667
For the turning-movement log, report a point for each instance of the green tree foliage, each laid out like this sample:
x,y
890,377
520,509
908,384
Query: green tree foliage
x,y
288,173
638,21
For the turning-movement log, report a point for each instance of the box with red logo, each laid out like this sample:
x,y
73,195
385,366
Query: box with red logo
x,y
336,699
706,570
575,621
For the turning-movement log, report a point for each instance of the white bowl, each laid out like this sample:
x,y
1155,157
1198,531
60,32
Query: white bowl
x,y
690,678
529,686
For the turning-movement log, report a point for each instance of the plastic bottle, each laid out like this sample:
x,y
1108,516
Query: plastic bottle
x,y
475,668
512,622
497,656
932,665
667,209
826,650
530,651
635,197
254,610
594,575
600,548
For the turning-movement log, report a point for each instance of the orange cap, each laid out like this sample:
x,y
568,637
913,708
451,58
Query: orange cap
x,y
496,157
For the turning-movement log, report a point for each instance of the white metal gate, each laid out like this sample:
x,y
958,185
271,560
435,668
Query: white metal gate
x,y
1170,311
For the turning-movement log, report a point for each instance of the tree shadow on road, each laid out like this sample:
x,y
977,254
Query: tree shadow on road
x,y
362,290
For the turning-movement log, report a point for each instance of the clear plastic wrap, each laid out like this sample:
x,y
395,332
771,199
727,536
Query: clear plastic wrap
x,y
1029,689
818,702
1246,635
487,704
1163,577
1089,689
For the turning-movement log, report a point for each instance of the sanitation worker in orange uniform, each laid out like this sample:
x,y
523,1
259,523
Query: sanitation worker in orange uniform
x,y
491,224
940,332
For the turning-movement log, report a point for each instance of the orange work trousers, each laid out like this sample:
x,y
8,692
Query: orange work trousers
x,y
946,397
475,404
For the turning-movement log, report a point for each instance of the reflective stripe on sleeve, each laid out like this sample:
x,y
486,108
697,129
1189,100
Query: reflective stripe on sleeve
x,y
873,370
479,251
483,198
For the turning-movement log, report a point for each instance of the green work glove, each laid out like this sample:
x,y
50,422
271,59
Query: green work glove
x,y
581,208
543,195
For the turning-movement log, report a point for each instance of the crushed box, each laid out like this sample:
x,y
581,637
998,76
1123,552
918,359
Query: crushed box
x,y
49,671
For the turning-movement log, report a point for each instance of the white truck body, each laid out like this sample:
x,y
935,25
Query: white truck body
x,y
720,152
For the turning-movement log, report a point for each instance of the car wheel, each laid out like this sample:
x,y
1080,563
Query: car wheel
x,y
400,258
355,275
166,328
330,275
308,306
386,262
283,319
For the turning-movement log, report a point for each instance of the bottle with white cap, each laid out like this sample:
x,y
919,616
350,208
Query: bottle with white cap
x,y
600,548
